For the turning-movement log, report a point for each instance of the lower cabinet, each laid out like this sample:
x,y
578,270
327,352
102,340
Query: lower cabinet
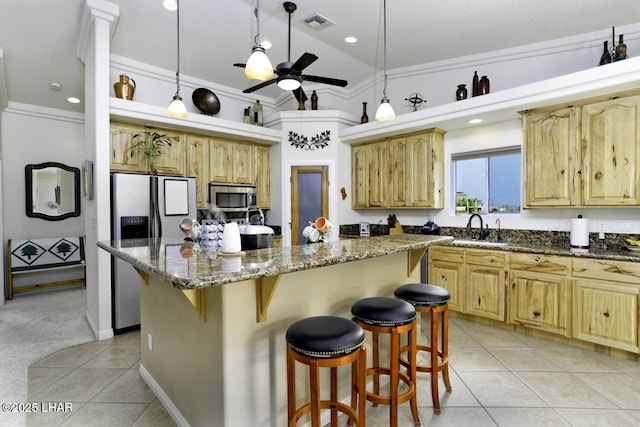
x,y
446,270
485,281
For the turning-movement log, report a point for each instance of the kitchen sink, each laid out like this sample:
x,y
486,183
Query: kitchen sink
x,y
478,243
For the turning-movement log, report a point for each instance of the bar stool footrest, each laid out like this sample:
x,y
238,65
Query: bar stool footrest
x,y
386,399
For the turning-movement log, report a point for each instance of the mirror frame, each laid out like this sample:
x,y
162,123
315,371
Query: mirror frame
x,y
28,172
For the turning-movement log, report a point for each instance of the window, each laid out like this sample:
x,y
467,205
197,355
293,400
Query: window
x,y
487,181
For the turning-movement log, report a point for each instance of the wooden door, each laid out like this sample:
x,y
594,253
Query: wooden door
x,y
309,198
359,177
123,159
449,276
243,163
197,165
398,180
378,173
611,134
551,178
485,283
171,160
220,166
263,176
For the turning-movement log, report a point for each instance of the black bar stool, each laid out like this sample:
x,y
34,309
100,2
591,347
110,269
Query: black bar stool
x,y
381,315
433,300
326,342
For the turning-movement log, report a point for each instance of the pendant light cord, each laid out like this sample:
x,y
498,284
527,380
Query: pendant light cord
x,y
384,15
256,40
178,49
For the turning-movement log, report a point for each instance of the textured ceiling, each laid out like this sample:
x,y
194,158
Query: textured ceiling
x,y
38,37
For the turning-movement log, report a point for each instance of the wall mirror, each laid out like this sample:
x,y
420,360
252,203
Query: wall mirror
x,y
52,191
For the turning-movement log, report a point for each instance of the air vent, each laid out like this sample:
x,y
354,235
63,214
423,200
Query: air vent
x,y
318,22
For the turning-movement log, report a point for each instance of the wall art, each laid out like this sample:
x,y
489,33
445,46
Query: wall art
x,y
320,140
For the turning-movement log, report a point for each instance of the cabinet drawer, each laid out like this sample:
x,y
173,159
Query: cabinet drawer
x,y
540,263
486,258
446,254
598,269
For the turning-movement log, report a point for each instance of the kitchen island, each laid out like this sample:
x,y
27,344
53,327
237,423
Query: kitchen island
x,y
212,326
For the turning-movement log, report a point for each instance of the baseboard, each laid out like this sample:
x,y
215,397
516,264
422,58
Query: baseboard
x,y
163,398
99,335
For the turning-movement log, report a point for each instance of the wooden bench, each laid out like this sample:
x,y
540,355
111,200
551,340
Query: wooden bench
x,y
33,256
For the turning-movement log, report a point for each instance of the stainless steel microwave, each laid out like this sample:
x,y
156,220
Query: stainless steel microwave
x,y
232,197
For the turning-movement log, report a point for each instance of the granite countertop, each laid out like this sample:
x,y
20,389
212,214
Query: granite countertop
x,y
597,251
163,258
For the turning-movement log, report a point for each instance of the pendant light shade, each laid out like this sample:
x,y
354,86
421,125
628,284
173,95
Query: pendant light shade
x,y
385,110
177,107
170,5
258,65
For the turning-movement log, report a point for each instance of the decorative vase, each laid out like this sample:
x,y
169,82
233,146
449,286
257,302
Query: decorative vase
x,y
314,100
483,85
123,89
364,118
474,87
461,93
301,105
621,50
606,56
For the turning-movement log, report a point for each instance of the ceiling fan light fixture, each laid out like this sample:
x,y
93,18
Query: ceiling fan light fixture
x,y
385,111
258,66
288,82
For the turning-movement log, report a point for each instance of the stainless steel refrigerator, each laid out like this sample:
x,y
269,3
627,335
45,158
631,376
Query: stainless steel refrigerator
x,y
143,207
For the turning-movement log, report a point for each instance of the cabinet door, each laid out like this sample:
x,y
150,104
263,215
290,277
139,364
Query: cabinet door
x,y
485,291
263,176
123,159
378,174
606,313
449,276
171,161
359,183
425,174
243,163
398,172
539,300
220,166
611,135
197,148
550,155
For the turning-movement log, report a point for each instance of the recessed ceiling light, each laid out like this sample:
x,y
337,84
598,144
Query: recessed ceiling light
x,y
55,86
73,100
266,44
350,39
475,121
170,5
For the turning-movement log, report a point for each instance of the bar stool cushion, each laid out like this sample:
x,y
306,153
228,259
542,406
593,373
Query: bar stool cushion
x,y
383,311
324,336
423,294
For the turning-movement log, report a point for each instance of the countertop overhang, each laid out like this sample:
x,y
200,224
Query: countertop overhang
x,y
163,258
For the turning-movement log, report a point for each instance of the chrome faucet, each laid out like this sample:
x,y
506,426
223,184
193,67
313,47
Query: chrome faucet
x,y
498,234
483,232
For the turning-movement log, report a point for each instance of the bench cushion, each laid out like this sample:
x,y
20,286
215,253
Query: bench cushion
x,y
41,254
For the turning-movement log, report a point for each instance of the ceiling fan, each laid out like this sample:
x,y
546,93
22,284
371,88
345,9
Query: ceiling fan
x,y
289,74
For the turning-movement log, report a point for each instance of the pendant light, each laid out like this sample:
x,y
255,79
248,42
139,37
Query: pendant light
x,y
385,110
177,107
258,65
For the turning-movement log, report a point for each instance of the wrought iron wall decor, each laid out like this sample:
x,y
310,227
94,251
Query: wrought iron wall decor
x,y
320,140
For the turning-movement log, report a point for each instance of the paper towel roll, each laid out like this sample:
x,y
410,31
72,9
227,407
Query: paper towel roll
x,y
579,232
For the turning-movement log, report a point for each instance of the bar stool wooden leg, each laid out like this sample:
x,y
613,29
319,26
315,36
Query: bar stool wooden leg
x,y
314,385
334,396
445,347
291,388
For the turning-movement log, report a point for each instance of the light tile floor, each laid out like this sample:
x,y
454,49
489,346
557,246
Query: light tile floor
x,y
499,378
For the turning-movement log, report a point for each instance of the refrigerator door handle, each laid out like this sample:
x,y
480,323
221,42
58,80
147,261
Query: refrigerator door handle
x,y
154,203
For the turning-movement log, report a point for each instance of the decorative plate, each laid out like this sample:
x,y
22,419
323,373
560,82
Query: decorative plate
x,y
206,101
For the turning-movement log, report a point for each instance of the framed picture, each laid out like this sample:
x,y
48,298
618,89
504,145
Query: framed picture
x,y
87,179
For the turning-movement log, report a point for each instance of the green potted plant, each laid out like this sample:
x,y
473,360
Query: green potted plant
x,y
151,144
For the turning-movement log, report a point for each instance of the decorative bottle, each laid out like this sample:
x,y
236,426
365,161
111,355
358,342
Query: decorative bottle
x,y
314,100
606,56
258,118
461,93
475,85
364,118
621,50
301,105
247,118
483,85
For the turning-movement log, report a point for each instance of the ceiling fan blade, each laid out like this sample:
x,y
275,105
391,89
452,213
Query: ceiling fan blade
x,y
259,86
325,80
304,61
239,64
299,94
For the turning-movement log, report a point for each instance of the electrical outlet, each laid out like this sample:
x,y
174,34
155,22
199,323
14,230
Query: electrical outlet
x,y
150,342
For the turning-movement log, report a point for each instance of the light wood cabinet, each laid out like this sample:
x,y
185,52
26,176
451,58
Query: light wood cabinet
x,y
172,159
405,172
583,155
446,270
485,282
197,153
122,158
611,158
263,176
539,292
231,162
369,175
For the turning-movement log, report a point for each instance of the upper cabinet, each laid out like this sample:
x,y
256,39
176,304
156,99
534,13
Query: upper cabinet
x,y
263,176
583,155
405,171
231,162
197,152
